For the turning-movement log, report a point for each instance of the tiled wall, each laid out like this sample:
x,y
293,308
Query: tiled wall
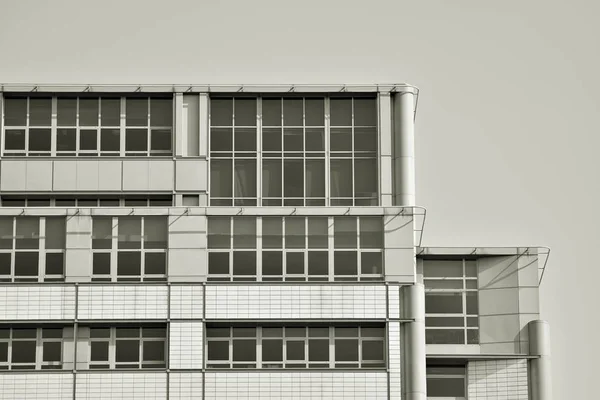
x,y
297,385
122,302
185,385
394,360
295,302
37,302
186,301
185,345
497,380
48,386
121,386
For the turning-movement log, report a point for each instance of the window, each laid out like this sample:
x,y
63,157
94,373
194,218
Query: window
x,y
295,347
30,348
87,126
298,158
451,302
28,256
128,201
127,347
295,248
446,381
129,248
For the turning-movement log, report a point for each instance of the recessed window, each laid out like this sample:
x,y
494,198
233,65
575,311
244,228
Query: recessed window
x,y
30,348
127,347
446,381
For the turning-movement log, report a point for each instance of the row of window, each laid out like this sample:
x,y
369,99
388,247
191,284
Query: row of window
x,y
87,126
451,302
295,248
86,201
296,151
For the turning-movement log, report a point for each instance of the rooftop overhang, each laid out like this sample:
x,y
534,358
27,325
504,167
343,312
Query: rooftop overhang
x,y
439,253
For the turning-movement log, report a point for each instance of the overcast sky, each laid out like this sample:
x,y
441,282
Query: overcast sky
x,y
507,124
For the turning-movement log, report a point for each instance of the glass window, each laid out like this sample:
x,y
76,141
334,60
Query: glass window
x,y
446,381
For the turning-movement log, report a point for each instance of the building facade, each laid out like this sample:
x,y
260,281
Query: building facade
x,y
243,242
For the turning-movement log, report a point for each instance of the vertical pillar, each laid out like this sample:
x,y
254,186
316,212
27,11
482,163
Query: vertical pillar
x,y
414,383
540,374
386,185
404,148
180,141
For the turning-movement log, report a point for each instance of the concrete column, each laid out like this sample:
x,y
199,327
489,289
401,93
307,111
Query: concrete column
x,y
414,383
540,374
404,149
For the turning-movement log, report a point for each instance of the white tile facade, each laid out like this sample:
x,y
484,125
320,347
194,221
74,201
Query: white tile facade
x,y
395,360
121,386
497,380
185,385
185,345
37,302
122,302
47,386
186,301
296,302
296,385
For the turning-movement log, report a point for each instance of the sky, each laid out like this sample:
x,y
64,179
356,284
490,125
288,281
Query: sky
x,y
507,123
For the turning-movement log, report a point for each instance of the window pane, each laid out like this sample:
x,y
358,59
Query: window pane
x,y
3,352
272,263
161,112
155,263
318,263
318,232
293,178
154,350
272,138
315,178
294,263
28,233
443,284
218,263
443,268
111,112
272,350
6,232
346,350
472,303
66,111
52,351
137,112
318,350
23,351
445,387
341,139
40,112
293,139
272,233
55,233
99,351
365,178
341,178
244,263
219,233
15,112
295,350
39,139
372,350
244,232
315,139
221,139
221,178
294,233
88,112
55,264
101,264
245,178
129,263
218,350
345,232
155,232
365,112
245,112
315,112
292,112
14,139
473,336
127,351
371,263
471,269
244,350
5,259
271,112
445,336
341,112
443,303
88,139
24,333
445,321
109,140
365,140
160,139
130,232
221,112
66,140
136,140
99,332
101,232
371,232
345,263
245,139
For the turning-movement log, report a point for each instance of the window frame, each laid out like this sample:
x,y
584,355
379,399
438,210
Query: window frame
x,y
429,374
39,339
164,201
